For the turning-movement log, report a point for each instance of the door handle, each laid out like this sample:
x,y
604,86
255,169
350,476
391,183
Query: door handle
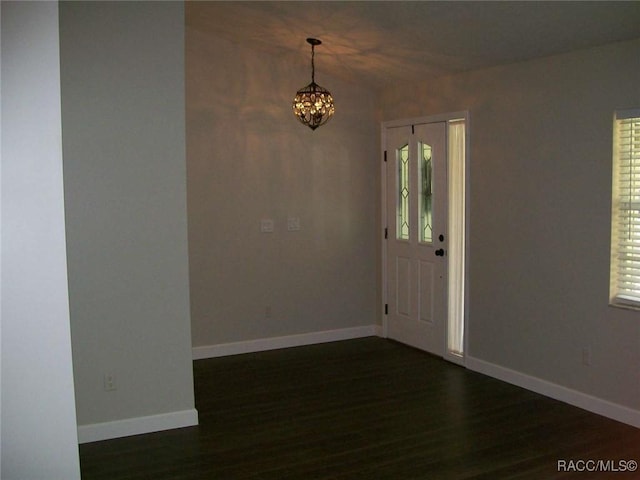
x,y
440,252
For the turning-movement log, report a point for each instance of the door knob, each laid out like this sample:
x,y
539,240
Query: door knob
x,y
440,252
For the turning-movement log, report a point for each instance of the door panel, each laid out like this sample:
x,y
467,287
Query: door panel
x,y
417,212
403,286
425,291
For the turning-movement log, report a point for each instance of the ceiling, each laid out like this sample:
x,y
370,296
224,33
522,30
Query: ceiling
x,y
382,42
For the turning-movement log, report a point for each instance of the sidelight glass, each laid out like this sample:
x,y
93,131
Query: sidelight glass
x,y
457,226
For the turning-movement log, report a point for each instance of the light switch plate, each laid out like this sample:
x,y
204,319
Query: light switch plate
x,y
266,225
293,224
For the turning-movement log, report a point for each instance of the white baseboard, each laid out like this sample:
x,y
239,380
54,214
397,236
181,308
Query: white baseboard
x,y
558,392
136,426
273,343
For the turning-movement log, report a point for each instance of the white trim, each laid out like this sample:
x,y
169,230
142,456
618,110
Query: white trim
x,y
624,114
273,343
384,226
445,117
136,426
467,242
558,392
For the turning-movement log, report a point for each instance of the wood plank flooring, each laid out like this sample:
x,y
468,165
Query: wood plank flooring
x,y
362,409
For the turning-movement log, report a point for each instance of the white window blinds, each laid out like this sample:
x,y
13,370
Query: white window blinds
x,y
625,218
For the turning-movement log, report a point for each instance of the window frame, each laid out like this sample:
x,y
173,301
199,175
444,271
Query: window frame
x,y
617,297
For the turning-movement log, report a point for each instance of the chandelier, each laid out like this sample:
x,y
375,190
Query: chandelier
x,y
313,105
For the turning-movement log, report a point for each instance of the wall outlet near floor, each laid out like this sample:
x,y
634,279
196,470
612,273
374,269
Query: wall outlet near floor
x,y
586,356
109,382
267,311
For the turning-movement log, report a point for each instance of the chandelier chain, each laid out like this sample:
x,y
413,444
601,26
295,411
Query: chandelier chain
x,y
313,67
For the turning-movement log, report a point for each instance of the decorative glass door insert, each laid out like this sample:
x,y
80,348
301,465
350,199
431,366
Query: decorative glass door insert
x,y
402,206
426,193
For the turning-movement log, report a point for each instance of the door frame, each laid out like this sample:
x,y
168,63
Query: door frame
x,y
446,117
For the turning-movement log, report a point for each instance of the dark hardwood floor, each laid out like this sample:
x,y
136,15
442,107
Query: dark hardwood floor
x,y
363,409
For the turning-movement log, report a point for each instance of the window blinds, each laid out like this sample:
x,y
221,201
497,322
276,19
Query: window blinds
x,y
625,226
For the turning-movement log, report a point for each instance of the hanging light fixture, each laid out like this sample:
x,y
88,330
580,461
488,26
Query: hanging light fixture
x,y
313,105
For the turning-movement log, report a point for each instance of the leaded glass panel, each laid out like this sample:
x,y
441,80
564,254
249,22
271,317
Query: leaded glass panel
x,y
402,207
425,207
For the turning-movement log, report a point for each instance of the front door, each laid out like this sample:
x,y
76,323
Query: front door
x,y
416,243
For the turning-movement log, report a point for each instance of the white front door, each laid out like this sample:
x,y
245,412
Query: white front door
x,y
416,204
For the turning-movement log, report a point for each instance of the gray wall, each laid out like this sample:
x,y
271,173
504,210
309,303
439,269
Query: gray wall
x,y
39,437
540,189
125,193
248,159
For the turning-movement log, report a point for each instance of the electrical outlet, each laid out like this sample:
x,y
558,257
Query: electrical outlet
x,y
267,311
109,382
